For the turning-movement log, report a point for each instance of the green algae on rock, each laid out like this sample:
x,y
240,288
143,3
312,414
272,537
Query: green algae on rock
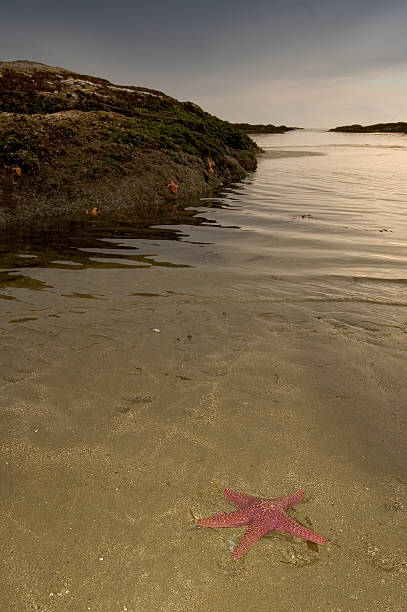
x,y
81,141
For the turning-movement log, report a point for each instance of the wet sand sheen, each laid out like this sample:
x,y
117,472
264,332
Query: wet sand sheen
x,y
114,436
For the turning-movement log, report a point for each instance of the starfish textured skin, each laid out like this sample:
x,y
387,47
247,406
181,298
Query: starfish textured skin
x,y
262,516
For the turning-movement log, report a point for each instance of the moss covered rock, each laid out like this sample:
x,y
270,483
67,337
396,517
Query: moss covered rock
x,y
69,142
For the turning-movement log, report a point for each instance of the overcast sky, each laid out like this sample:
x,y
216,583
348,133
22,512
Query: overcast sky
x,y
310,63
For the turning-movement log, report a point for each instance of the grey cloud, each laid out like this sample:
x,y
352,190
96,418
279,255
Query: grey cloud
x,y
214,51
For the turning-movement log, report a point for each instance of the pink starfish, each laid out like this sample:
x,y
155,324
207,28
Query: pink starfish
x,y
262,516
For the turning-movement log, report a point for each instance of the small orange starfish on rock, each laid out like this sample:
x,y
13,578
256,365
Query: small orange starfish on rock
x,y
211,165
17,170
173,186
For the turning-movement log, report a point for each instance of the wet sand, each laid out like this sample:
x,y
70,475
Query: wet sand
x,y
113,437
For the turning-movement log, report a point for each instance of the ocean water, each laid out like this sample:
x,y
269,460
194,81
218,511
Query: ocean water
x,y
322,219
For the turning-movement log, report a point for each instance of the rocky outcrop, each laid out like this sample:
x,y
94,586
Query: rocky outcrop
x,y
258,128
71,142
399,127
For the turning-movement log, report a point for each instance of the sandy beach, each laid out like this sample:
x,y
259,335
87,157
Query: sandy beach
x,y
114,437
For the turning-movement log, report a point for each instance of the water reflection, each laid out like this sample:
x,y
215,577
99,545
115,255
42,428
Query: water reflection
x,y
113,241
19,281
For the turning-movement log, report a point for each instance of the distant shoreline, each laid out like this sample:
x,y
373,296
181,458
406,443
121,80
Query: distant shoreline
x,y
385,128
259,128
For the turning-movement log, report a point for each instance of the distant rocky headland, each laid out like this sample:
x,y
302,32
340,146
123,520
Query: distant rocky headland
x,y
258,128
73,143
400,127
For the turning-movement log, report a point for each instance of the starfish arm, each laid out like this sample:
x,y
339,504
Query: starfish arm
x,y
225,519
290,500
239,499
288,525
255,531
